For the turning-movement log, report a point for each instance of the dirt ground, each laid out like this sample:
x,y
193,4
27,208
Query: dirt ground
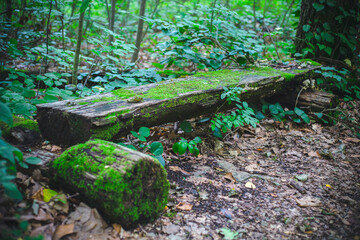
x,y
278,181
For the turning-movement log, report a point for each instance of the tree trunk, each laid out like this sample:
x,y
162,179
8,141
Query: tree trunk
x,y
112,20
78,48
112,115
126,186
139,34
325,32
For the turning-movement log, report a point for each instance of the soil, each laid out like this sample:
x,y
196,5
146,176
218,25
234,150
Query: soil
x,y
278,181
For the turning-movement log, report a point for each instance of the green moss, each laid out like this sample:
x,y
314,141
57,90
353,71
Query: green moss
x,y
82,103
107,132
309,61
19,122
123,93
113,187
210,80
103,99
300,70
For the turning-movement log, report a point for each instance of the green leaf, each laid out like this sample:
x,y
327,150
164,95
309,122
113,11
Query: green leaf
x,y
28,93
33,160
186,126
84,5
318,7
319,115
144,131
306,28
156,148
11,190
197,140
48,194
328,50
161,160
5,114
180,147
228,234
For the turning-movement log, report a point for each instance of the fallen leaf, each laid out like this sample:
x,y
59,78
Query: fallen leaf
x,y
302,177
252,167
203,195
226,213
178,169
38,195
171,229
117,227
309,201
63,230
313,154
228,176
55,148
250,185
184,206
328,185
352,140
46,231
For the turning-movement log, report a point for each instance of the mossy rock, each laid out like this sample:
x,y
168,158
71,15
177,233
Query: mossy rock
x,y
127,186
24,131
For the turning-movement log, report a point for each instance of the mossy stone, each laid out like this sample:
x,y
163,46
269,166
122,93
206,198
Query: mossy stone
x,y
127,186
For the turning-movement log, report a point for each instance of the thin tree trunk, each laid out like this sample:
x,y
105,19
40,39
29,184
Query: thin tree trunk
x,y
212,16
157,3
22,17
286,12
9,10
78,47
48,32
112,20
254,12
125,19
139,34
108,12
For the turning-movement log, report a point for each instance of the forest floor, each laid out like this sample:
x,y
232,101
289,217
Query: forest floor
x,y
279,181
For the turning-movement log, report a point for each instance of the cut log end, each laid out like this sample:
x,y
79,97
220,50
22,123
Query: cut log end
x,y
316,101
127,186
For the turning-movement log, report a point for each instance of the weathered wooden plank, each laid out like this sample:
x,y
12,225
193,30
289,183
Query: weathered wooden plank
x,y
110,115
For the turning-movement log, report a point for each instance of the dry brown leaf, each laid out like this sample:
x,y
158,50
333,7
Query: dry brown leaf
x,y
252,167
38,195
117,227
228,176
355,156
309,201
46,231
63,230
55,148
184,206
178,169
42,216
313,154
352,140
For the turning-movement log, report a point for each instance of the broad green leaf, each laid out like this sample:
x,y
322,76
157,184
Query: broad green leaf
x,y
180,147
228,234
186,126
318,7
161,160
84,5
11,190
5,114
197,139
144,131
33,160
156,148
48,194
306,28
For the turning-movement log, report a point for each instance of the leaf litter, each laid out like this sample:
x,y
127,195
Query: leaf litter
x,y
283,182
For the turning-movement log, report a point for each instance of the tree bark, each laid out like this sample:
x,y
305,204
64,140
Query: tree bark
x,y
139,34
112,115
325,31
